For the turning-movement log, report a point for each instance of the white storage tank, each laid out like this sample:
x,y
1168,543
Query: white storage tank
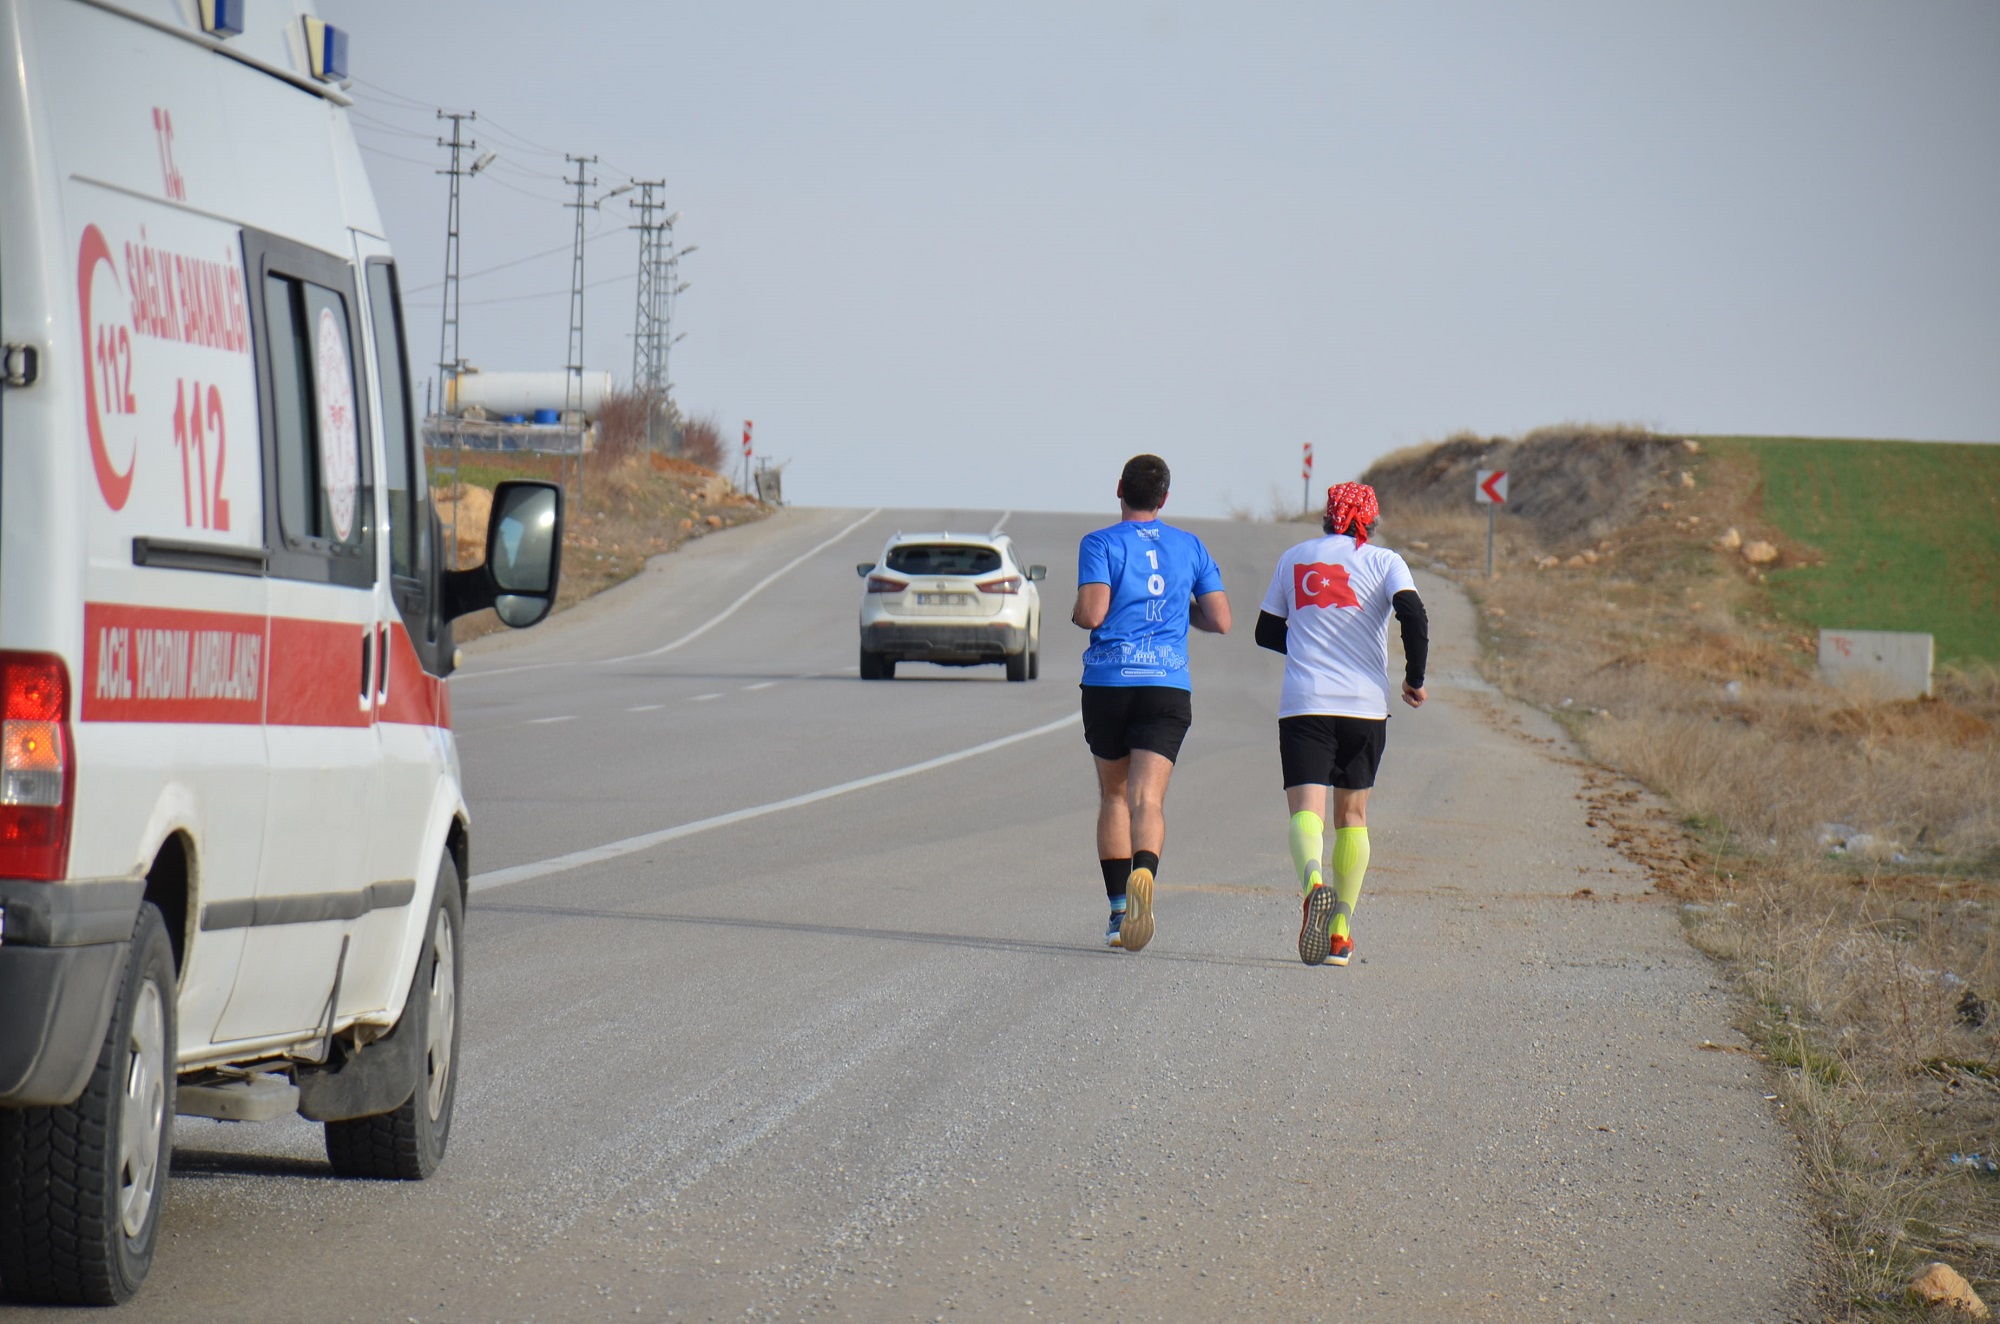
x,y
501,394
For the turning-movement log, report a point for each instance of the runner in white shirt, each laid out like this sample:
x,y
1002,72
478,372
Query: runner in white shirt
x,y
1328,612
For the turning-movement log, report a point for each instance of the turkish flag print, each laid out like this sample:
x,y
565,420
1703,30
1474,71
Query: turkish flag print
x,y
1318,585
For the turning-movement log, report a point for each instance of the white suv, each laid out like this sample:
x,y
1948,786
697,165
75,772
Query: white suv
x,y
957,599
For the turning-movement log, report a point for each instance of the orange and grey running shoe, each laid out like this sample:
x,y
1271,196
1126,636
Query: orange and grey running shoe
x,y
1340,950
1137,930
1315,920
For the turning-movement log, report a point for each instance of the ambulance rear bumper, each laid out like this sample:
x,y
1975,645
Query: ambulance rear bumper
x,y
62,962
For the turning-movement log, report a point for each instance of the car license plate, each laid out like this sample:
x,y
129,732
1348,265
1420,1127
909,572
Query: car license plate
x,y
944,599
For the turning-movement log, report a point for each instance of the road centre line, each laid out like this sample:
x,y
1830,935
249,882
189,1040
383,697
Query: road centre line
x,y
763,685
1005,515
645,707
703,698
521,873
544,721
699,630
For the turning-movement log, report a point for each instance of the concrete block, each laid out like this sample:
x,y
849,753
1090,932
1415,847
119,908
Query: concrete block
x,y
1890,663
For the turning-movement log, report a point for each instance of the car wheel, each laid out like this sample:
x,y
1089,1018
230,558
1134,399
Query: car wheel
x,y
1035,661
81,1185
872,667
1017,664
407,1143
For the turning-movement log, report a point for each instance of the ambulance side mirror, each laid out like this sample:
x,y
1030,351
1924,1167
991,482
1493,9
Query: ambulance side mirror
x,y
864,569
1037,573
523,558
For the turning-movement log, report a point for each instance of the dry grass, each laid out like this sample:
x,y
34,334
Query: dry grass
x,y
1845,846
633,506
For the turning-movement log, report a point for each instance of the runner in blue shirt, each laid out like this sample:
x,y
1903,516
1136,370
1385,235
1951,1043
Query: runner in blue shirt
x,y
1140,585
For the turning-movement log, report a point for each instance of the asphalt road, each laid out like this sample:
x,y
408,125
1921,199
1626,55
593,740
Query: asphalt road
x,y
862,1056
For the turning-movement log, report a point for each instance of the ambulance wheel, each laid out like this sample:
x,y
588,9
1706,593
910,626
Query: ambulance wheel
x,y
408,1142
81,1185
877,666
1035,658
1018,664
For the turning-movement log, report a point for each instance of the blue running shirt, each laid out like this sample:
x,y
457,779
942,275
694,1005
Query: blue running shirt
x,y
1153,570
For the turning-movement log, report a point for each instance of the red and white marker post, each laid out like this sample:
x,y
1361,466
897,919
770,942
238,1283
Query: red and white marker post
x,y
1489,489
747,425
1306,502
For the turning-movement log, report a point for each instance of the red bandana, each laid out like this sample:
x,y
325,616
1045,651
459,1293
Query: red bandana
x,y
1352,508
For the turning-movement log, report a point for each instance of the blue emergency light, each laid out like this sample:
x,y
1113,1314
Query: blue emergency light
x,y
222,18
327,47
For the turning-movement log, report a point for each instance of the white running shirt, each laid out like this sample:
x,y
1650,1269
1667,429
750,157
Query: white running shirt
x,y
1335,599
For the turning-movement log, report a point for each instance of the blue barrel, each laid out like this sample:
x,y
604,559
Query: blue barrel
x,y
548,415
514,418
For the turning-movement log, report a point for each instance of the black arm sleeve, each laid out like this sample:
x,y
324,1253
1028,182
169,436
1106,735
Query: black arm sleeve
x,y
1416,636
1271,631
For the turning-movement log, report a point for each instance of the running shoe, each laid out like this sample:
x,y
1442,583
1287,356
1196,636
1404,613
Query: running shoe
x,y
1138,928
1112,936
1340,950
1315,920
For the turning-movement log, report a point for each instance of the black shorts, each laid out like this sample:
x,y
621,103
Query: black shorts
x,y
1118,719
1341,752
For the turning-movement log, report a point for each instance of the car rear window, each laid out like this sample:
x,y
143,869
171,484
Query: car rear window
x,y
918,558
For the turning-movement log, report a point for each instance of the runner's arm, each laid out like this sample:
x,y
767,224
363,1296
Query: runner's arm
x,y
1210,612
1409,609
1271,631
1093,604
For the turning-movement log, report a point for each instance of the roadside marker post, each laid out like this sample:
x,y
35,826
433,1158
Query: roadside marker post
x,y
1489,489
746,454
1306,496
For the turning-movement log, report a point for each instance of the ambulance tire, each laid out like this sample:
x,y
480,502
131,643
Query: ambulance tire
x,y
876,666
408,1142
81,1185
1017,664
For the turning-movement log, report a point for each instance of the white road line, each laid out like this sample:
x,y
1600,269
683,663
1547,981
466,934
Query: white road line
x,y
1005,515
545,721
645,707
521,873
699,630
763,685
702,698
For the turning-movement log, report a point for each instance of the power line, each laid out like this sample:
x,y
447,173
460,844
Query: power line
x,y
514,262
522,298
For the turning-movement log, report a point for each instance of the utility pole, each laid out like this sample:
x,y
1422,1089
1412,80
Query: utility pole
x,y
649,363
448,357
573,395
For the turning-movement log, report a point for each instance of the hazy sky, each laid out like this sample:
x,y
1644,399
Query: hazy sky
x,y
977,254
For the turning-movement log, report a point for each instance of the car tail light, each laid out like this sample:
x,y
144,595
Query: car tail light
x,y
877,584
37,773
1007,584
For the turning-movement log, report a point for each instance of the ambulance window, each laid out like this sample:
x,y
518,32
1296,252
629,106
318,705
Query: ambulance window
x,y
320,492
293,400
385,310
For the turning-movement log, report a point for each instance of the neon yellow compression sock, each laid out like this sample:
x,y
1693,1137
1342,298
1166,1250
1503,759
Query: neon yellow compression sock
x,y
1350,862
1308,843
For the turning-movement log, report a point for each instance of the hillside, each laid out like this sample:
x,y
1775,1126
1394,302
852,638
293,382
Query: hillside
x,y
1841,854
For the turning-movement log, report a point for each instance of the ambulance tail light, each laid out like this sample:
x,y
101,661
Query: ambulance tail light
x,y
1006,584
37,771
883,584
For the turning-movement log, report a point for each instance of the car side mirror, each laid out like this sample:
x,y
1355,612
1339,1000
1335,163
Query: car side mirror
x,y
1037,573
523,558
863,569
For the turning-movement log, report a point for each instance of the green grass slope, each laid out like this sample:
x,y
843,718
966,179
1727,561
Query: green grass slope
x,y
1910,532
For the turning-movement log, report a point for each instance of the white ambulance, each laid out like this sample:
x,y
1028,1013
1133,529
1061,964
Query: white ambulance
x,y
233,843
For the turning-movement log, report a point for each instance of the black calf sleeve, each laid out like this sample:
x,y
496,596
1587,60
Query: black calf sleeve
x,y
1145,859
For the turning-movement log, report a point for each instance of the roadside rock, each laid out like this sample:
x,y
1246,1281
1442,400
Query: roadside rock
x,y
1759,552
1729,541
1942,1285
